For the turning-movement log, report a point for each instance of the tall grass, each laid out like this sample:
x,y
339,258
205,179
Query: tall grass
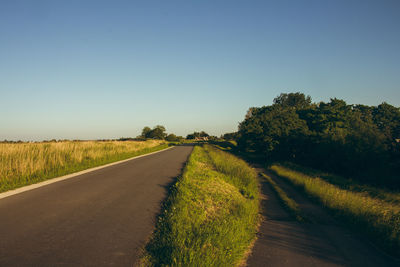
x,y
348,183
27,163
378,218
210,216
240,175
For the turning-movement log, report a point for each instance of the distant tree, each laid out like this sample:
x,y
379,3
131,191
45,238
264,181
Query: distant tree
x,y
197,135
160,127
203,134
173,138
145,132
158,132
190,136
125,139
230,136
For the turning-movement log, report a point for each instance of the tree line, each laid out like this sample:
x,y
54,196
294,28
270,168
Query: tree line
x,y
359,141
159,132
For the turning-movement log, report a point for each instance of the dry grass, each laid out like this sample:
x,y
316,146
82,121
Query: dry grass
x,y
27,163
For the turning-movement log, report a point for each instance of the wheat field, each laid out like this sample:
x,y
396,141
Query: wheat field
x,y
27,163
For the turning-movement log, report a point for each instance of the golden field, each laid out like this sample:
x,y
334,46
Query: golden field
x,y
27,163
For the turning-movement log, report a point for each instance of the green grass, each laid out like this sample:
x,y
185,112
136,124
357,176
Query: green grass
x,y
289,204
348,183
28,163
210,216
377,218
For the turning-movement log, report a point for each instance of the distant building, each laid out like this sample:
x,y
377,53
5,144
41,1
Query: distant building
x,y
202,138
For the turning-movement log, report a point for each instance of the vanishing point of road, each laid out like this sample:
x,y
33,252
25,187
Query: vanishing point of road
x,y
101,218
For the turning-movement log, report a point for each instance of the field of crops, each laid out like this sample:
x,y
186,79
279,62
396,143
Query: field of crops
x,y
27,163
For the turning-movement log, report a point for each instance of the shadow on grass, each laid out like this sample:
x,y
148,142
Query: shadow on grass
x,y
250,157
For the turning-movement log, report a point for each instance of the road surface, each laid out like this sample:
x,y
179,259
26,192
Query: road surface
x,y
101,218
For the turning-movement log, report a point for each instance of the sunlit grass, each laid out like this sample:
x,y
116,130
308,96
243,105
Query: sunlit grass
x,y
348,183
210,216
27,163
377,218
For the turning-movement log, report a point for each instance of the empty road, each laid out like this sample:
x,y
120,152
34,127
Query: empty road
x,y
101,218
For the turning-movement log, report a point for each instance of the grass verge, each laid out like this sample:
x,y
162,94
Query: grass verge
x,y
210,216
348,183
289,204
28,163
377,218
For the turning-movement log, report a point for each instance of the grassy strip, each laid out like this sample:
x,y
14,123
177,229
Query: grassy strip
x,y
241,175
289,204
29,163
347,183
377,218
210,216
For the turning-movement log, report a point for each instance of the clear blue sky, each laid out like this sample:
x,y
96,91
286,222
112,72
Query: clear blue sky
x,y
105,69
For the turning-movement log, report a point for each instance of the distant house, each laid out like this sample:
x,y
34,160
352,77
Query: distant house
x,y
201,138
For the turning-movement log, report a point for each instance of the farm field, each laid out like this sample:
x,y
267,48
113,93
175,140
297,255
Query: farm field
x,y
27,163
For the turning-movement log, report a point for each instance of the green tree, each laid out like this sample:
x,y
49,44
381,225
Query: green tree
x,y
230,136
269,128
294,100
145,132
197,135
158,132
203,134
173,138
190,136
387,118
356,140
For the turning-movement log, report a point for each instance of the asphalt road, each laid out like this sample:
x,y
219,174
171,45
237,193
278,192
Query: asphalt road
x,y
101,218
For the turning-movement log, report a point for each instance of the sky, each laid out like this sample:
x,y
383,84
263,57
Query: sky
x,y
105,69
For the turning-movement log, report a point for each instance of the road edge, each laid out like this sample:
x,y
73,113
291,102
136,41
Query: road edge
x,y
71,175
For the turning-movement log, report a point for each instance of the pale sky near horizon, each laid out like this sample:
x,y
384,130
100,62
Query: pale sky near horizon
x,y
105,69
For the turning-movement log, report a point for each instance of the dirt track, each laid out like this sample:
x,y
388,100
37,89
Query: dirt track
x,y
324,241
